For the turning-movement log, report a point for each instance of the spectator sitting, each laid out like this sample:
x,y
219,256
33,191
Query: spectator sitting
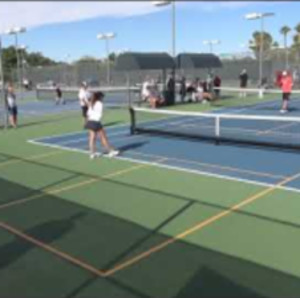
x,y
145,90
155,99
202,94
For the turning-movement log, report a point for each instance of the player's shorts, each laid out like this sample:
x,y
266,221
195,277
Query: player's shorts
x,y
13,111
84,110
93,125
286,95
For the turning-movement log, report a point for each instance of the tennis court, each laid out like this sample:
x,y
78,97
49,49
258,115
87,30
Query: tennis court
x,y
170,217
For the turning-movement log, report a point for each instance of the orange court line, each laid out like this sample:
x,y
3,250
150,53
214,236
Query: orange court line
x,y
199,226
27,159
52,249
49,248
73,186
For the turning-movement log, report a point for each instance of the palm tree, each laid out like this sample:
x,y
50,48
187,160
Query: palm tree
x,y
266,41
285,31
296,40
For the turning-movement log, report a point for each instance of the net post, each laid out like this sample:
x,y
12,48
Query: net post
x,y
132,120
128,90
37,93
217,129
261,93
3,95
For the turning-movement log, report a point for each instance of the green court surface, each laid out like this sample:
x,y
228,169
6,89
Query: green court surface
x,y
71,227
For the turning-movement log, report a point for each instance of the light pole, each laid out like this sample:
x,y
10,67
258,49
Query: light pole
x,y
106,37
260,16
165,3
22,49
15,31
65,76
211,43
3,88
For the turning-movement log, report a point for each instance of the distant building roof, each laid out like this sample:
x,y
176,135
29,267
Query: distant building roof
x,y
195,60
141,61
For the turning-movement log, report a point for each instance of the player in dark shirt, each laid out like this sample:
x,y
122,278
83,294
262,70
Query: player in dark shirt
x,y
58,99
217,84
243,82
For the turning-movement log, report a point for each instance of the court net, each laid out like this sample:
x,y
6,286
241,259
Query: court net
x,y
115,96
272,131
254,97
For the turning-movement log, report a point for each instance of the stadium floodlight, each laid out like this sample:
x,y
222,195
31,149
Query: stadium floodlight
x,y
211,43
260,16
161,3
106,37
16,30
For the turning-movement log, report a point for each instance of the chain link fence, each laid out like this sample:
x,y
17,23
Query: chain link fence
x,y
96,73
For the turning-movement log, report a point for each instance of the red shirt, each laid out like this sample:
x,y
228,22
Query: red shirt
x,y
286,84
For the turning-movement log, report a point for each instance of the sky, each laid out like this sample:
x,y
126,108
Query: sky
x,y
66,31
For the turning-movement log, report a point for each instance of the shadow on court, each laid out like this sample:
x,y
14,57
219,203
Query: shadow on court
x,y
105,240
45,232
132,146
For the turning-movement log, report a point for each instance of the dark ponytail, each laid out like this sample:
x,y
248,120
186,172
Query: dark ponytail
x,y
97,96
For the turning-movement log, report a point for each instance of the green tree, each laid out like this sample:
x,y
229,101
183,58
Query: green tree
x,y
285,30
87,58
112,57
296,43
266,40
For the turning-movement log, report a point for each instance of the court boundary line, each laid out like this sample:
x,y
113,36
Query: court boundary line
x,y
199,226
179,169
232,169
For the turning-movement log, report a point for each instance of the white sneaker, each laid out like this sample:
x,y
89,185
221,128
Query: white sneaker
x,y
283,111
95,155
113,153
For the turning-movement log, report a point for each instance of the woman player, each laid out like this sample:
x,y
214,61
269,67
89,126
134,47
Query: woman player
x,y
286,84
94,125
11,103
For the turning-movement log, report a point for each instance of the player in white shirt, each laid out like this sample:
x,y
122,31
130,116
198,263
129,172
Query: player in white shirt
x,y
146,90
11,103
84,97
94,125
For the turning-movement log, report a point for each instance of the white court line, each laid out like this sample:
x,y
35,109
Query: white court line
x,y
160,165
216,166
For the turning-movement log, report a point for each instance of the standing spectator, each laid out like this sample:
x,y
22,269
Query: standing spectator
x,y
58,98
217,85
243,82
209,83
182,90
84,98
11,103
286,85
170,94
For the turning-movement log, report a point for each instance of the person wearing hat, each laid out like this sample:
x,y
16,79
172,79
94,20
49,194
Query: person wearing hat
x,y
84,98
286,85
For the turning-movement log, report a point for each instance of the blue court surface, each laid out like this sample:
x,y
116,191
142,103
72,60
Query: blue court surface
x,y
256,165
